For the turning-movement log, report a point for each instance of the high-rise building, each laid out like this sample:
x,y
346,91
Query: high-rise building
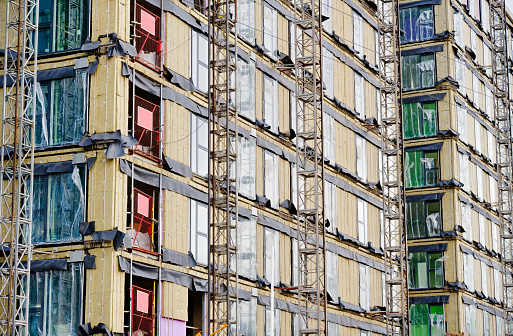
x,y
120,214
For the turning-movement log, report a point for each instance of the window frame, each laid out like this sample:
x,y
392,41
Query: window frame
x,y
362,222
47,226
194,232
422,128
428,270
274,35
51,26
418,8
421,72
274,188
51,113
429,306
274,114
427,170
198,49
45,296
268,233
195,158
425,216
361,157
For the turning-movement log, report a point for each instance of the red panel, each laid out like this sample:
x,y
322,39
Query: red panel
x,y
143,205
148,22
144,118
142,302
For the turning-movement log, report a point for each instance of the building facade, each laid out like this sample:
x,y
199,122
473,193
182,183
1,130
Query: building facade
x,y
120,207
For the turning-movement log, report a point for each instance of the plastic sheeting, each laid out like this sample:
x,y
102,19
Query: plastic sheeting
x,y
416,23
247,252
421,168
55,306
58,206
418,71
61,106
423,219
427,319
420,120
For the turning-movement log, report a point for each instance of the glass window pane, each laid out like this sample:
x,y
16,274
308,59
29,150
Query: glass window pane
x,y
437,320
430,118
433,222
418,270
419,319
427,69
415,219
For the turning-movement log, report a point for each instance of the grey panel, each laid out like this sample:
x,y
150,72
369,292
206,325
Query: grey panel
x,y
177,258
178,167
353,190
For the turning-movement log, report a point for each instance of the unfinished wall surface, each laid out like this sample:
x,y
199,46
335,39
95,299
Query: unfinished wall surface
x,y
140,225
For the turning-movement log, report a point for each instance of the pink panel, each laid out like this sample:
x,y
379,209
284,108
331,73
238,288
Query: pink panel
x,y
147,22
142,301
171,327
145,118
143,205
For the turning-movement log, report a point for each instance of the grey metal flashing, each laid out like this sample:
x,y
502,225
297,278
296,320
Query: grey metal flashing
x,y
180,13
491,310
178,167
423,98
477,162
427,248
177,258
419,3
479,257
429,299
346,123
479,119
153,179
422,50
355,191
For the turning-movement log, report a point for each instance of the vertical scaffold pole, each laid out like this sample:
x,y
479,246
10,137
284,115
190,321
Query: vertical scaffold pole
x,y
396,283
223,186
17,147
310,168
504,147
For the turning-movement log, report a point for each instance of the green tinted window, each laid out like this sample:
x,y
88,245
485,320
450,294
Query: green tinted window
x,y
421,169
423,219
426,270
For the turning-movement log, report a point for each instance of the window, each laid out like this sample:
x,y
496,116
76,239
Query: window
x,y
271,103
248,317
470,319
199,231
466,222
199,145
246,20
246,232
462,122
482,229
427,320
358,33
479,175
464,173
490,144
333,329
246,88
416,23
272,255
458,27
420,120
495,237
330,205
498,325
294,264
476,89
61,107
271,182
364,279
359,95
421,168
418,71
332,275
147,127
327,71
270,319
329,138
58,206
55,306
142,230
376,55
426,270
326,10
199,61
468,271
295,324
270,39
423,219
484,279
247,166
148,40
497,284
293,183
63,25
363,227
460,70
361,157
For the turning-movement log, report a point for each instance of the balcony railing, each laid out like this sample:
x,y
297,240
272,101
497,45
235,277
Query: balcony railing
x,y
147,40
147,128
142,312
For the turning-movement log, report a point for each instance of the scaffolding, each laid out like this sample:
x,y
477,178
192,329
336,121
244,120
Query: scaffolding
x,y
310,172
396,274
17,146
223,186
504,147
